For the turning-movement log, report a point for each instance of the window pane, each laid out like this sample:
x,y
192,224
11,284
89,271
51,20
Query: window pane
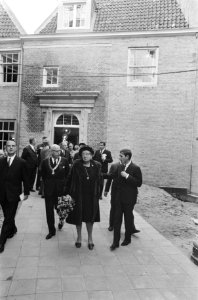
x,y
1,145
68,16
15,58
1,135
5,125
80,15
67,119
75,120
54,80
11,128
142,65
60,120
1,125
5,136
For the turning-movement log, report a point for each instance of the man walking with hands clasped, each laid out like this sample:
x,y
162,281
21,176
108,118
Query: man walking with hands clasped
x,y
128,178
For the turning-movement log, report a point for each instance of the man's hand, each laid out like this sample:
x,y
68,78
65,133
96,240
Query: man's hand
x,y
105,194
124,174
25,197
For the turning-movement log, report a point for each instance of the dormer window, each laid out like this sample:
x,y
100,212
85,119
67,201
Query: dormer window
x,y
74,15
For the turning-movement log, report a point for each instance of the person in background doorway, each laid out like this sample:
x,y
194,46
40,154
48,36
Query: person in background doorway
x,y
30,156
13,173
71,152
76,148
76,155
104,157
64,151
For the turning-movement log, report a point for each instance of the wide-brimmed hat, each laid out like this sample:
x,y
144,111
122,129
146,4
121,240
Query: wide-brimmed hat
x,y
55,147
86,148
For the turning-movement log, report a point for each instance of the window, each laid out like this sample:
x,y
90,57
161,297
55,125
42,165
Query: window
x,y
142,66
7,131
50,77
67,120
9,66
74,16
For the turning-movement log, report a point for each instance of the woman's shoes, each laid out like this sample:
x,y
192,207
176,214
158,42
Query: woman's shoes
x,y
90,246
78,244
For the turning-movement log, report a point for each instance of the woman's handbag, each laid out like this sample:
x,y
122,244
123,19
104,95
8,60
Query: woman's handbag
x,y
64,207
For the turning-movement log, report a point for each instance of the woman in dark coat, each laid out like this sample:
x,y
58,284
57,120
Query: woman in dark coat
x,y
84,187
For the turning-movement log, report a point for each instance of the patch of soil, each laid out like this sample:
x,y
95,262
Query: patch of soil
x,y
173,218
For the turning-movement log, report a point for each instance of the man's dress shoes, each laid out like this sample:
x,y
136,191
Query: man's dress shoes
x,y
50,235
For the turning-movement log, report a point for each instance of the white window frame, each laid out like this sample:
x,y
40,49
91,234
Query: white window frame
x,y
45,84
129,67
11,133
74,5
6,64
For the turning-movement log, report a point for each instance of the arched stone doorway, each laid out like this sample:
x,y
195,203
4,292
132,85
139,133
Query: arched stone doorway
x,y
66,126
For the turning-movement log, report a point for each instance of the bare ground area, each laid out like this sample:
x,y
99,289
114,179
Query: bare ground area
x,y
173,218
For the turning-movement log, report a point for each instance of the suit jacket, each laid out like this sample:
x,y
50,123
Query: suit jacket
x,y
11,179
54,185
112,179
30,156
127,189
98,157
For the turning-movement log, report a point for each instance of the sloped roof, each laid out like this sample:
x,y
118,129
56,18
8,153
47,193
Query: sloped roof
x,y
132,15
9,25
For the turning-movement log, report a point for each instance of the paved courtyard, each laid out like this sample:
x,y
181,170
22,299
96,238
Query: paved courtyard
x,y
33,268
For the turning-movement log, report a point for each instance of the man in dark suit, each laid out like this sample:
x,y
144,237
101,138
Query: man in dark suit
x,y
112,182
54,172
104,157
38,151
13,172
30,156
129,178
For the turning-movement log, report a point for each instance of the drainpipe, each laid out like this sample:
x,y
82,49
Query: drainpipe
x,y
19,98
195,114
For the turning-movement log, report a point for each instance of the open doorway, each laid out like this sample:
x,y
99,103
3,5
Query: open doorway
x,y
72,135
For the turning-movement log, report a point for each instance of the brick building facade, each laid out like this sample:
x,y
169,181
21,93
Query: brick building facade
x,y
116,78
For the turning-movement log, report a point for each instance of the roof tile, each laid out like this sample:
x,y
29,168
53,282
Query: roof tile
x,y
132,15
7,27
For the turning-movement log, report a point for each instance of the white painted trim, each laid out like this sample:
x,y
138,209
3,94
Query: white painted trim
x,y
45,77
139,83
10,49
95,35
66,46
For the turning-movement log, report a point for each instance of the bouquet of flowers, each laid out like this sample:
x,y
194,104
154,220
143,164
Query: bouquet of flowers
x,y
64,207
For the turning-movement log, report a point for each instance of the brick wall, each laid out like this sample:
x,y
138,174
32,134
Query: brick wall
x,y
72,61
155,122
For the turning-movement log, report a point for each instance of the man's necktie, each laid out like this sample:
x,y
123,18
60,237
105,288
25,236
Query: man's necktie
x,y
9,161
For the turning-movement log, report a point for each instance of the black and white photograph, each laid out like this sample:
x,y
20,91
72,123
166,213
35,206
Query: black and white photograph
x,y
99,149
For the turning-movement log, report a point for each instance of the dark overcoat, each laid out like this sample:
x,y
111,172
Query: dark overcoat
x,y
104,164
11,179
127,189
30,156
54,185
75,190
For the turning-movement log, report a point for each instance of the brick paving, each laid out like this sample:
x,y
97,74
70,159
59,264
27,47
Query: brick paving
x,y
33,268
